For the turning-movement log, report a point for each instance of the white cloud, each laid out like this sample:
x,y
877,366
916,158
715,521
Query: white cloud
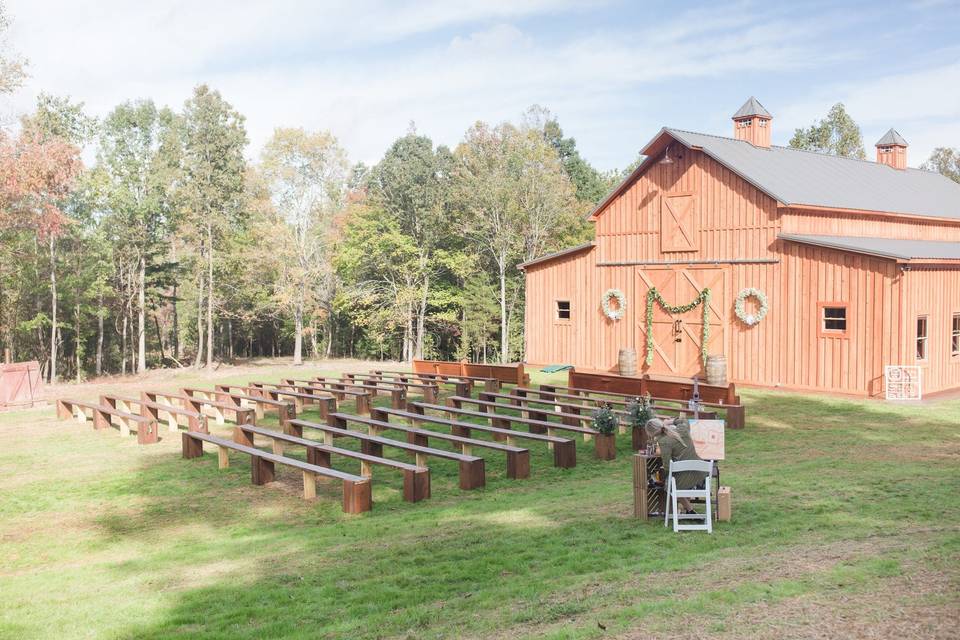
x,y
365,69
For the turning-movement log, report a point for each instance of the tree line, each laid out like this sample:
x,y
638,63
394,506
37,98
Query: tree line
x,y
173,248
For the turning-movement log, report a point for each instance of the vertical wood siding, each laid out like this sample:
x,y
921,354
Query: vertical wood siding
x,y
935,293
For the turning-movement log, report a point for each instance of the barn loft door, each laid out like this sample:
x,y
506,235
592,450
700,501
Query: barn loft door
x,y
678,337
678,222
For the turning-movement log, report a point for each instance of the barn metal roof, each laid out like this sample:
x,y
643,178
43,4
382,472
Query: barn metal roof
x,y
892,248
554,255
796,177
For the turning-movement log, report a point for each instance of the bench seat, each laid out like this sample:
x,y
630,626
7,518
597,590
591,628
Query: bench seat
x,y
472,472
195,421
356,489
416,479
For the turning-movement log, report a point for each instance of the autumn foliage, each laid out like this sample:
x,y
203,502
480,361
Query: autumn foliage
x,y
37,173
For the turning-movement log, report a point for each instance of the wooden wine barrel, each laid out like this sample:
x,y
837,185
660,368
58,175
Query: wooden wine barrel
x,y
717,370
628,362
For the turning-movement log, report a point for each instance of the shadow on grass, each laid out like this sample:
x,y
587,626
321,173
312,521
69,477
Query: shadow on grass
x,y
268,564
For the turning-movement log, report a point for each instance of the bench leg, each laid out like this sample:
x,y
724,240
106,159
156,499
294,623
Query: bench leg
x,y
357,496
416,485
365,470
371,448
293,429
327,406
218,416
318,457
565,454
500,423
430,394
124,427
363,405
147,432
172,425
736,417
472,474
242,436
223,460
192,448
309,485
63,411
536,415
261,471
639,439
277,447
417,439
518,464
463,432
397,399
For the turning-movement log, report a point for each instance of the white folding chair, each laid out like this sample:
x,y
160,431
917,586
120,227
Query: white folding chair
x,y
703,466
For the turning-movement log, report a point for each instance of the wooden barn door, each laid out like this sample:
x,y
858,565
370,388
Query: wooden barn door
x,y
678,337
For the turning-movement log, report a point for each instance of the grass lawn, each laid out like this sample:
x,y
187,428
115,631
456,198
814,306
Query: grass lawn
x,y
846,523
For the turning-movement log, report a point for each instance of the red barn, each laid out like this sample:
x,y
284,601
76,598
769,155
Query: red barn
x,y
857,262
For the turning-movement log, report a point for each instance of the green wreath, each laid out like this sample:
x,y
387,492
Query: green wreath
x,y
702,299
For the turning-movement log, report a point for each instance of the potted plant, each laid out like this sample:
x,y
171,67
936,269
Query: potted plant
x,y
639,411
605,423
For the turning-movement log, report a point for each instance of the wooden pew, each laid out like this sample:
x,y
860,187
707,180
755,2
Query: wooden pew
x,y
159,412
489,384
215,409
416,479
398,394
245,397
506,373
356,490
504,421
430,392
327,404
103,416
460,386
341,391
472,473
618,399
518,458
564,449
536,419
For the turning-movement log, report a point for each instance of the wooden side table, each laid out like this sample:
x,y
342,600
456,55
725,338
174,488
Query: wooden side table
x,y
648,498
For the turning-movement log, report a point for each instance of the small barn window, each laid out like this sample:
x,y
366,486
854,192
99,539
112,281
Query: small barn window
x,y
563,309
833,319
955,335
922,338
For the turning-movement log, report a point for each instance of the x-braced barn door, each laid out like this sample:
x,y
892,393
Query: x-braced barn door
x,y
678,336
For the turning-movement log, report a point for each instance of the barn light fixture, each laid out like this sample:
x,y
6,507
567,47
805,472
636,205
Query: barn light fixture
x,y
666,157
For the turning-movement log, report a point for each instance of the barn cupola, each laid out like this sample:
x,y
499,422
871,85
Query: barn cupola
x,y
892,150
752,123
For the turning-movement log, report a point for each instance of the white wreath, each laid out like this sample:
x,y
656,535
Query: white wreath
x,y
751,319
613,314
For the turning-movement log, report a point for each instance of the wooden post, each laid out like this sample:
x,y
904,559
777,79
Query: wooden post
x,y
416,484
223,460
261,470
640,509
192,447
357,496
147,432
472,474
565,454
518,464
318,457
309,485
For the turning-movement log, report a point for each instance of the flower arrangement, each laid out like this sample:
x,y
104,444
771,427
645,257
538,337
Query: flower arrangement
x,y
640,410
751,319
604,419
703,298
610,312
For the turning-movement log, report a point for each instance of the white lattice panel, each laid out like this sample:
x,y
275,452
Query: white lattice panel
x,y
903,382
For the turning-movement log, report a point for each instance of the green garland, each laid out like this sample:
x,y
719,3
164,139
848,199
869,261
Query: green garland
x,y
703,298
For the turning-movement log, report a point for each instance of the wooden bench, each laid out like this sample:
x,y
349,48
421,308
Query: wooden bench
x,y
159,412
506,373
486,411
215,409
327,404
518,458
356,490
340,391
663,389
472,473
462,387
103,415
617,399
564,449
430,392
398,394
416,479
245,397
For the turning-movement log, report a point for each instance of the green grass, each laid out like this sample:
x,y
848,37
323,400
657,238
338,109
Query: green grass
x,y
834,501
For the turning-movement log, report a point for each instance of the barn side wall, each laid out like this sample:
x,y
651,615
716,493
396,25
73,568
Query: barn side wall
x,y
933,292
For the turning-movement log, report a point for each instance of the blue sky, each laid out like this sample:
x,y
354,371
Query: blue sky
x,y
612,72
